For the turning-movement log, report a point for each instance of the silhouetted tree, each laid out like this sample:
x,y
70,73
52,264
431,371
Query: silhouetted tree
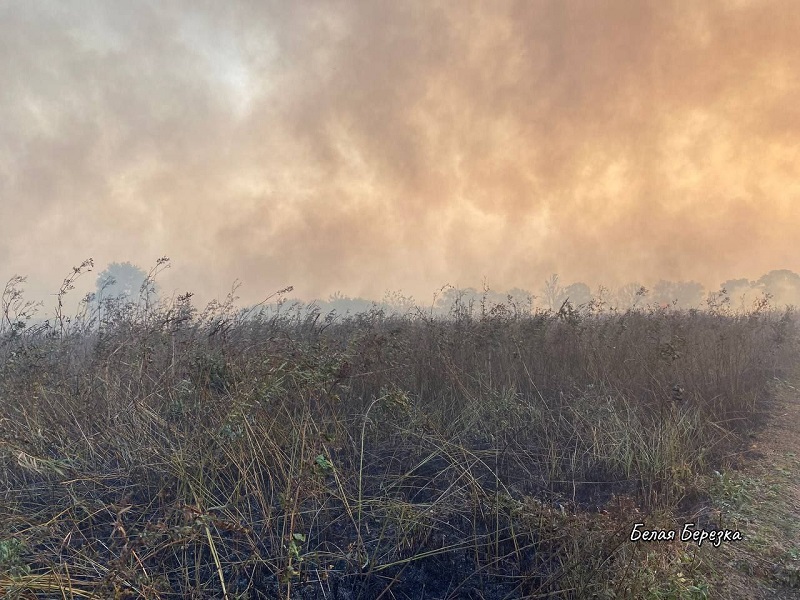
x,y
397,302
782,285
344,305
551,292
520,300
457,299
577,294
122,281
740,292
732,286
681,294
631,295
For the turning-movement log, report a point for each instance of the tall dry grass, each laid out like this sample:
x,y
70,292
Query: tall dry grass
x,y
158,451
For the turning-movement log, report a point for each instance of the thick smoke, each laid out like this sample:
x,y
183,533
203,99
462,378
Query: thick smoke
x,y
366,146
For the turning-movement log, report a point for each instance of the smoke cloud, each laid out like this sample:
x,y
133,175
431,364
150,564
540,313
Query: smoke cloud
x,y
373,146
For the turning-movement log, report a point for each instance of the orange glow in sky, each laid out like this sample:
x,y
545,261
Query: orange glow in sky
x,y
374,146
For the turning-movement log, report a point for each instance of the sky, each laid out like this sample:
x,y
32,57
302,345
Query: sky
x,y
361,147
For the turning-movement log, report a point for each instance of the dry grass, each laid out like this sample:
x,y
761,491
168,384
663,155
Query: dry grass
x,y
165,452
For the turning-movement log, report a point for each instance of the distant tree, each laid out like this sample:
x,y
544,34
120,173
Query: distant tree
x,y
740,292
520,295
681,294
577,294
631,295
490,302
345,304
397,302
690,294
552,292
462,300
732,286
782,285
520,300
122,281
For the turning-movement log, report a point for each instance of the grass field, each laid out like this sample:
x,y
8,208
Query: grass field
x,y
166,452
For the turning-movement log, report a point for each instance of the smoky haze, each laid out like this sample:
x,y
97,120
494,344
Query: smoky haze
x,y
373,146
